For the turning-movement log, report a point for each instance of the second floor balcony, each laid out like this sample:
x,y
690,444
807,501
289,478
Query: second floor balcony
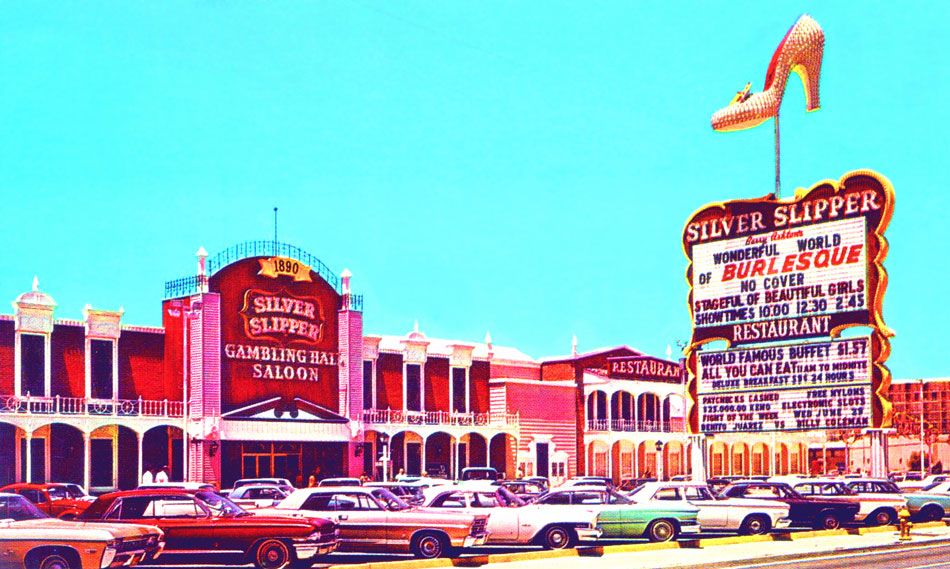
x,y
87,407
439,418
672,425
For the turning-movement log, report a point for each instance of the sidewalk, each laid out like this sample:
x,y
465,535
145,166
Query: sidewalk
x,y
726,555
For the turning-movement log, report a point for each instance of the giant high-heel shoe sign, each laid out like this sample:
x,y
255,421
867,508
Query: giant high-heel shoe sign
x,y
801,52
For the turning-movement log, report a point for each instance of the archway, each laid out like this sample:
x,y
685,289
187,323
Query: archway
x,y
648,411
781,458
438,456
760,459
109,447
621,410
501,457
10,435
673,459
597,459
740,459
161,446
597,411
718,459
472,451
646,459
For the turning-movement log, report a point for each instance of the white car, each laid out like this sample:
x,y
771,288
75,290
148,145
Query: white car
x,y
257,495
514,522
940,488
743,515
914,485
874,508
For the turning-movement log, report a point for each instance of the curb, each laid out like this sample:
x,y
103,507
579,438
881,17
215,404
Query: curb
x,y
601,550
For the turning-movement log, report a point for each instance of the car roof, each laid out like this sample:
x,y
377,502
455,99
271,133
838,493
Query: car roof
x,y
29,486
333,489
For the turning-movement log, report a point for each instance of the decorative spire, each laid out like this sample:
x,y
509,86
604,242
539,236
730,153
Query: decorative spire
x,y
415,327
202,271
669,352
36,283
574,345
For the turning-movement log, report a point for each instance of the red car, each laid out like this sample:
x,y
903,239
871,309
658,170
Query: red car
x,y
52,499
204,521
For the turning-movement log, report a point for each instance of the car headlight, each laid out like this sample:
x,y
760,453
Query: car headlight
x,y
108,555
315,536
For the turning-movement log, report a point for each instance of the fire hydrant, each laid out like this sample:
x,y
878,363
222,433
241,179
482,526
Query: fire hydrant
x,y
905,524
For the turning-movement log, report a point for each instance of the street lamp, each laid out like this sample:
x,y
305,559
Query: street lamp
x,y
383,440
659,460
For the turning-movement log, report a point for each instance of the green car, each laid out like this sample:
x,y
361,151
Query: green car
x,y
620,517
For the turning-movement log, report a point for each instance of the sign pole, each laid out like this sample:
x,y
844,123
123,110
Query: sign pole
x,y
778,160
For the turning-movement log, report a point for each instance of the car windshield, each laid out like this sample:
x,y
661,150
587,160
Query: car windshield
x,y
614,497
392,502
57,493
18,508
220,505
74,490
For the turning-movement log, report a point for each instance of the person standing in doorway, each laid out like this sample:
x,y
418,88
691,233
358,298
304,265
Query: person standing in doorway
x,y
147,476
162,476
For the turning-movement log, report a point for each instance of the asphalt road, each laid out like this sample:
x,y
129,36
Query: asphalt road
x,y
928,557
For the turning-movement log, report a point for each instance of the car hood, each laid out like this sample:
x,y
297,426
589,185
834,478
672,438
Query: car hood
x,y
754,503
52,527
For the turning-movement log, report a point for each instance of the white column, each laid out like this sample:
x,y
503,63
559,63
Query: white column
x,y
879,463
697,458
29,457
138,442
87,463
422,458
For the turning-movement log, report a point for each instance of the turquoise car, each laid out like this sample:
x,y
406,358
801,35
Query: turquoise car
x,y
620,517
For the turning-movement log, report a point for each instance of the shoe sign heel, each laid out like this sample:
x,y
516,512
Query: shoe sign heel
x,y
809,71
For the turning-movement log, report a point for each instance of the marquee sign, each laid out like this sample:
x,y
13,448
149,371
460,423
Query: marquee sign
x,y
281,317
769,270
644,367
811,385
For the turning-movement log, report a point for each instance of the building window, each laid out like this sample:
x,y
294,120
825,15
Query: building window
x,y
459,390
100,369
413,387
33,364
369,389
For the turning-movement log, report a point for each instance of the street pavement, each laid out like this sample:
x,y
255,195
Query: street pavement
x,y
929,549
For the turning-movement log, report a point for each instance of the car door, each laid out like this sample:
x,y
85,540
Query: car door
x,y
713,514
187,524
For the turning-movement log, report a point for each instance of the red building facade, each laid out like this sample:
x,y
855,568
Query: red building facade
x,y
261,369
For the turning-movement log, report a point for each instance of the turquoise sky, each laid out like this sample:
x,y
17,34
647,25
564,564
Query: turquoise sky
x,y
523,168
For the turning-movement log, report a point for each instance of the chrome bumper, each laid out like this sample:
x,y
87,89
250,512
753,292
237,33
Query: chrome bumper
x,y
782,523
310,549
475,540
588,534
690,527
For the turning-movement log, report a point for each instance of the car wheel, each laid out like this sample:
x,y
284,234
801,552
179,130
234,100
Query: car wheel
x,y
661,530
827,521
272,554
932,513
429,546
882,517
54,561
557,537
755,524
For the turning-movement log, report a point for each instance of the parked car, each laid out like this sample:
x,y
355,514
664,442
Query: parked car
x,y
479,473
512,521
620,517
75,491
631,484
340,482
53,500
586,482
188,486
876,509
409,492
30,539
523,489
375,519
912,482
923,506
538,480
257,495
746,516
810,512
203,520
282,483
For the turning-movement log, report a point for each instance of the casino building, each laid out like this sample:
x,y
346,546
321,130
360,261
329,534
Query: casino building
x,y
261,368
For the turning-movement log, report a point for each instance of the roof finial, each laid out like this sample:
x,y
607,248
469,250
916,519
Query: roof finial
x,y
669,352
415,327
488,337
36,283
574,345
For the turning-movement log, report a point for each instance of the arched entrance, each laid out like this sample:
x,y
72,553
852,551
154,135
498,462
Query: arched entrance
x,y
673,459
718,459
10,435
760,459
161,446
501,454
740,459
597,458
438,456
